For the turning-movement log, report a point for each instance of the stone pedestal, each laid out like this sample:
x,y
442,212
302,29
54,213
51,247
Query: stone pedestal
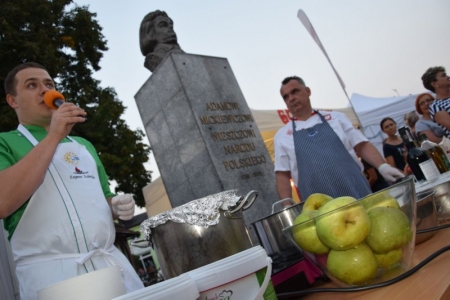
x,y
203,134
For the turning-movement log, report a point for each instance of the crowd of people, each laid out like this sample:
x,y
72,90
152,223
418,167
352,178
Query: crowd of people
x,y
430,117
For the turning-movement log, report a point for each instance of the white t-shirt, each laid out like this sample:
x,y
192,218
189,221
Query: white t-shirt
x,y
285,159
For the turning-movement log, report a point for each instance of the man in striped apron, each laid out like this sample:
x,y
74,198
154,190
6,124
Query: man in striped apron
x,y
319,150
54,196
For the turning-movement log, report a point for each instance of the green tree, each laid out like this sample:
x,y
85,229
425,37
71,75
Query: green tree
x,y
68,41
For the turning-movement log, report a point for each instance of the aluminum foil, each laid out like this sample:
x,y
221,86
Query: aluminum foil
x,y
202,212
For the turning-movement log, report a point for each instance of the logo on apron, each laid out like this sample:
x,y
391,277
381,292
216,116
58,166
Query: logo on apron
x,y
73,159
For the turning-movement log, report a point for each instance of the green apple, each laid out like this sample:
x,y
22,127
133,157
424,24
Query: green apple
x,y
305,234
354,266
390,229
315,201
381,199
342,228
389,259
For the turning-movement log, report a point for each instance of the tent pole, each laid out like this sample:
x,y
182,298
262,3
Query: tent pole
x,y
309,27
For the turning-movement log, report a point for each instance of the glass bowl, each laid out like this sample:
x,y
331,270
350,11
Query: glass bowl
x,y
363,242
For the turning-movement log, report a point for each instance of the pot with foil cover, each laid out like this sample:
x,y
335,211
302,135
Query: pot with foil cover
x,y
199,232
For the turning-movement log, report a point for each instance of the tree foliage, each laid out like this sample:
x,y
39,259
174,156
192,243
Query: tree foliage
x,y
67,40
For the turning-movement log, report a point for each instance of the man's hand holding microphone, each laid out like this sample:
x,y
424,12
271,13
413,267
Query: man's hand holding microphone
x,y
65,116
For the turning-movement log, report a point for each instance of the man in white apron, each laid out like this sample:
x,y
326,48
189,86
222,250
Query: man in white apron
x,y
54,192
318,150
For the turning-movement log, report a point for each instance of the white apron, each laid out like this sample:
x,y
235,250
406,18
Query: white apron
x,y
67,228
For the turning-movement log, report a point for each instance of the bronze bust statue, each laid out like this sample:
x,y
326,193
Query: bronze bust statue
x,y
157,38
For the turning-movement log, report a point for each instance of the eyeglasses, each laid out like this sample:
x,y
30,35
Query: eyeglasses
x,y
425,101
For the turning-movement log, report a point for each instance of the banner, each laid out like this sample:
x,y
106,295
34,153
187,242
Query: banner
x,y
304,19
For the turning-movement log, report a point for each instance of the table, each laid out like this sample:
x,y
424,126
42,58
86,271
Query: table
x,y
431,282
421,186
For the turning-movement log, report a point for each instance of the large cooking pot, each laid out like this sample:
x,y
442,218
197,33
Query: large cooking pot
x,y
426,216
199,232
269,229
442,200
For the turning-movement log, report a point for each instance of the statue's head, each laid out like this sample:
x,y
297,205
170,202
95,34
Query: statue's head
x,y
156,27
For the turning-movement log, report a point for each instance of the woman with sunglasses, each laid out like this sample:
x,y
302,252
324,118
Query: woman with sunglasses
x,y
425,125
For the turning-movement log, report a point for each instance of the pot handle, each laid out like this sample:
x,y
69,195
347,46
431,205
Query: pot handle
x,y
243,203
141,243
266,281
282,204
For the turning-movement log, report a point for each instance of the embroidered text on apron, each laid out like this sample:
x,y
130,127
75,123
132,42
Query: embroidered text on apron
x,y
324,164
66,229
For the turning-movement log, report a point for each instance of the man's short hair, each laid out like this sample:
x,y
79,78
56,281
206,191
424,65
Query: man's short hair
x,y
287,79
11,81
430,76
147,40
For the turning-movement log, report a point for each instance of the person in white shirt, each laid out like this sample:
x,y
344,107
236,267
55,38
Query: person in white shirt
x,y
319,150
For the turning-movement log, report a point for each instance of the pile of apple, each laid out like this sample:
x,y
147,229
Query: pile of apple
x,y
356,240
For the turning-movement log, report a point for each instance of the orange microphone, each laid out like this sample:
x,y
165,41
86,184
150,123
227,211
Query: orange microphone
x,y
53,99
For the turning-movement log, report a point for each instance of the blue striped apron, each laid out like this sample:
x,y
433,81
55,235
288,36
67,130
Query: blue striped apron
x,y
324,164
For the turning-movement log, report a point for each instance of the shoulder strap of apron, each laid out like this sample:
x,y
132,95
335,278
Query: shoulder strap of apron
x,y
31,138
317,112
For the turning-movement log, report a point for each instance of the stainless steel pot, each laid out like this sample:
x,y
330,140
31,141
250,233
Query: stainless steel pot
x,y
181,245
442,201
426,216
269,229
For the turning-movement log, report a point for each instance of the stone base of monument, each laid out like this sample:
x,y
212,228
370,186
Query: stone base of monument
x,y
203,135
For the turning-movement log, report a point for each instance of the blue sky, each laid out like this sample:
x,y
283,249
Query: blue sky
x,y
376,46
